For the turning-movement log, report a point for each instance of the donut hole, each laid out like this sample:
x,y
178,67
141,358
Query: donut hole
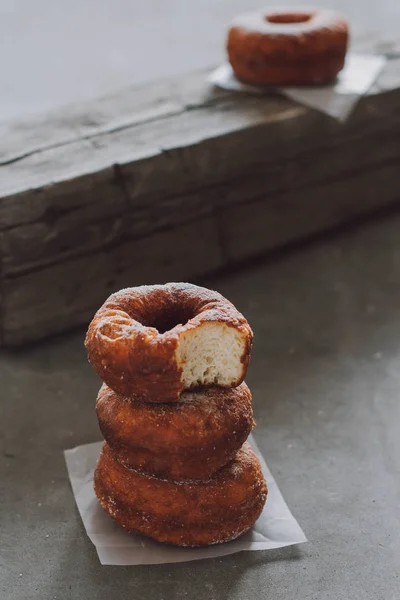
x,y
169,317
211,354
289,18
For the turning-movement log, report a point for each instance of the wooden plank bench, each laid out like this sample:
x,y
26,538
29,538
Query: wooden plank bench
x,y
172,181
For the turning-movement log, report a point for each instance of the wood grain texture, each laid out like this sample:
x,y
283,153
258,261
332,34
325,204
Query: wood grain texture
x,y
120,211
172,181
254,227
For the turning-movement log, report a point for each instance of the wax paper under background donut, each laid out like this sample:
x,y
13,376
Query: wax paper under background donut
x,y
275,528
336,100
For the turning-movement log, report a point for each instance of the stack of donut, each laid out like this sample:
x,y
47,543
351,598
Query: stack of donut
x,y
175,414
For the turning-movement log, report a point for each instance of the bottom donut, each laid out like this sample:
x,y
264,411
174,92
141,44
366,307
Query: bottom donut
x,y
183,514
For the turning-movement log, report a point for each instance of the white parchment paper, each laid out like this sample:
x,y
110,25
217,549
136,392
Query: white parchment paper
x,y
336,100
275,528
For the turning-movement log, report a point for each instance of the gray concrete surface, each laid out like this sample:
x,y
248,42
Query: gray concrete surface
x,y
326,381
56,53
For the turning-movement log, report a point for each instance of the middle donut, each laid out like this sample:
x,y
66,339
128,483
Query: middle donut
x,y
186,441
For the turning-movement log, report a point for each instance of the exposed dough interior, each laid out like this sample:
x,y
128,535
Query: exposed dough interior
x,y
211,354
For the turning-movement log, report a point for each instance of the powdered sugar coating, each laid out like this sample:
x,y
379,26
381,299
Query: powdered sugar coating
x,y
316,19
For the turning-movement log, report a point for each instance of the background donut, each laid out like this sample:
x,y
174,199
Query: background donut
x,y
278,46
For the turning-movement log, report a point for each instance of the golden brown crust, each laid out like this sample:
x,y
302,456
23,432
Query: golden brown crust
x,y
186,514
132,339
188,440
281,48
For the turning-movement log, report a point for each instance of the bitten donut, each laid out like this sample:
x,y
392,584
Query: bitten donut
x,y
298,46
152,342
188,440
186,514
